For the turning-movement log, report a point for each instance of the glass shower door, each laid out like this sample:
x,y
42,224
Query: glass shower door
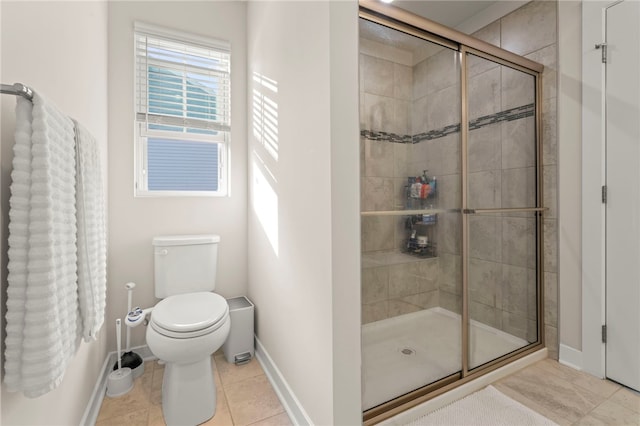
x,y
451,210
411,222
503,210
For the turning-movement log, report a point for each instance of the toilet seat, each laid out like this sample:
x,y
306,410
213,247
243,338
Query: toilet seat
x,y
189,315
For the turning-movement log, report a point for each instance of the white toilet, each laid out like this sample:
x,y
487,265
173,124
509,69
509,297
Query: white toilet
x,y
188,325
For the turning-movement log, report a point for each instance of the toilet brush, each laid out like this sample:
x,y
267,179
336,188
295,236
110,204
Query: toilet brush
x,y
129,358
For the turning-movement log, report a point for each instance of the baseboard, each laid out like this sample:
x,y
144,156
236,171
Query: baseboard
x,y
468,388
292,406
570,357
95,402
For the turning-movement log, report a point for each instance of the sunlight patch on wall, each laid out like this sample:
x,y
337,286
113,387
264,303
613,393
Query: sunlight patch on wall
x,y
265,200
265,113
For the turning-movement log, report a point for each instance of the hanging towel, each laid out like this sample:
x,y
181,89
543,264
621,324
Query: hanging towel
x,y
18,244
92,235
42,303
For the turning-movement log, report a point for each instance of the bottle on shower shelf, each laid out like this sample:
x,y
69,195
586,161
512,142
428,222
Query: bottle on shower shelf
x,y
416,187
426,190
412,240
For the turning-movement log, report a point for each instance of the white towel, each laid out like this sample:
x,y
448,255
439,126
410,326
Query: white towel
x,y
42,305
18,244
92,234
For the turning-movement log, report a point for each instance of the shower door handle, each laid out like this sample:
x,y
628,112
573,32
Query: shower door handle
x,y
509,210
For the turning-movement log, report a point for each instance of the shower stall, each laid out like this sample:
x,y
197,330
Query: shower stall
x,y
451,208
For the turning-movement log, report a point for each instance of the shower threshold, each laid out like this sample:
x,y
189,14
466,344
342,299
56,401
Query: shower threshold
x,y
404,353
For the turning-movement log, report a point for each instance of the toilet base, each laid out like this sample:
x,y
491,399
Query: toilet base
x,y
188,393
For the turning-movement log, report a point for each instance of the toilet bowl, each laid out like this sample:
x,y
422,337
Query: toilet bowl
x,y
184,331
187,326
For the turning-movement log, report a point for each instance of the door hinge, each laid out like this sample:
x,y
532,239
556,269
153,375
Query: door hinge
x,y
604,194
604,333
603,48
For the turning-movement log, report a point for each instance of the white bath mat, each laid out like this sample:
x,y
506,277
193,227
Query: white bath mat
x,y
487,407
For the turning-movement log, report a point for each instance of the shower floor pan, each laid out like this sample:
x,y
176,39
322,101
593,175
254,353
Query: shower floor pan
x,y
404,353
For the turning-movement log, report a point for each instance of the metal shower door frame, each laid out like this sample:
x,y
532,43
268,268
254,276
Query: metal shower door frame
x,y
464,44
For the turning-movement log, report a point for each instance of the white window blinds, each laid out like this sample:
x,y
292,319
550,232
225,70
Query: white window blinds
x,y
183,105
182,86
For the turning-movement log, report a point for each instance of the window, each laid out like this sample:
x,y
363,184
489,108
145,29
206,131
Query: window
x,y
183,124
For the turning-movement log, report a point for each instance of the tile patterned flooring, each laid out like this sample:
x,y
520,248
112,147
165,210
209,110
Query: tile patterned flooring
x,y
245,397
571,397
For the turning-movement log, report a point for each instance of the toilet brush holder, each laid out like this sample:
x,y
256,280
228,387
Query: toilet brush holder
x,y
120,381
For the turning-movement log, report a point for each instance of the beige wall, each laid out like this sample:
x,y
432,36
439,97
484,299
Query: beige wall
x,y
135,221
303,208
59,49
569,172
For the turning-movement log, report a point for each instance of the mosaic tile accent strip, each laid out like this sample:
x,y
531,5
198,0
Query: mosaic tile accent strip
x,y
436,134
384,136
487,120
506,115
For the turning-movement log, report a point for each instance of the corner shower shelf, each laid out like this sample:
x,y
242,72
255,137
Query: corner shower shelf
x,y
388,258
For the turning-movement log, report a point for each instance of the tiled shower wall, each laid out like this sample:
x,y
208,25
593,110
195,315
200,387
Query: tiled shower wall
x,y
392,283
501,163
501,267
436,124
530,31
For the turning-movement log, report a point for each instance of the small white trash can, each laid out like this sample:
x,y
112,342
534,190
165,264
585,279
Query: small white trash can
x,y
239,346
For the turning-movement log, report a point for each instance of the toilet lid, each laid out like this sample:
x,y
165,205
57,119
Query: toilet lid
x,y
184,313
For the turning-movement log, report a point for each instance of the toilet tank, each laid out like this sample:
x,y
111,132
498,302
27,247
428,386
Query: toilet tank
x,y
185,264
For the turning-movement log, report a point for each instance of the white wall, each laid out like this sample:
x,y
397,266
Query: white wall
x,y
345,213
135,221
303,201
570,177
59,49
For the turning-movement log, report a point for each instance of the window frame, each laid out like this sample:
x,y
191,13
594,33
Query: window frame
x,y
142,133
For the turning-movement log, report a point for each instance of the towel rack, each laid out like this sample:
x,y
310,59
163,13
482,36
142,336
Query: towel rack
x,y
20,89
17,89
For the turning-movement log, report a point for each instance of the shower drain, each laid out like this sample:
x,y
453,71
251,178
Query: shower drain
x,y
407,351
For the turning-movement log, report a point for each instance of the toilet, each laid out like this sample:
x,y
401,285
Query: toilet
x,y
188,325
